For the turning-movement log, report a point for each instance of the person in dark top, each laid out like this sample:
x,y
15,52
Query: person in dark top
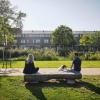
x,y
76,64
29,65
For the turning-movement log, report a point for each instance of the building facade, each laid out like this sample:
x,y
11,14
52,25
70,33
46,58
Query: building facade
x,y
34,39
39,39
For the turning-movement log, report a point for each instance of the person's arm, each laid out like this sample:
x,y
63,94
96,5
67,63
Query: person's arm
x,y
72,65
26,63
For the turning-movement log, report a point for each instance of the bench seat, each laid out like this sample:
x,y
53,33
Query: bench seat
x,y
44,76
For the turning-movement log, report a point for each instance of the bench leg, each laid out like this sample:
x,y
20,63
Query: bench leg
x,y
70,81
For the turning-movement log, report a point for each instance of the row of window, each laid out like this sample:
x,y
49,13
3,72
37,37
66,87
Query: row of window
x,y
34,41
33,35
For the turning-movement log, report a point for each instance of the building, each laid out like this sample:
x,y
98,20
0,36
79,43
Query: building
x,y
34,39
39,39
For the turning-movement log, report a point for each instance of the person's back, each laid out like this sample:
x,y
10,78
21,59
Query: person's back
x,y
29,65
76,63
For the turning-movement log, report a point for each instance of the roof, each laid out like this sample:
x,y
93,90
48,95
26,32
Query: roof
x,y
49,32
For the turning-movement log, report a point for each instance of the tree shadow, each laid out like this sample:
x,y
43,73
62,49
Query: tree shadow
x,y
89,86
36,88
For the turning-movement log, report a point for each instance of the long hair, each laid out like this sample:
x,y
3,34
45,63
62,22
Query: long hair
x,y
30,58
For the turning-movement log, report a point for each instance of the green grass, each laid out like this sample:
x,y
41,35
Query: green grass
x,y
55,64
13,88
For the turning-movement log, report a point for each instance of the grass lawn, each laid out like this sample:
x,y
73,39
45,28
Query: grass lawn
x,y
13,88
52,64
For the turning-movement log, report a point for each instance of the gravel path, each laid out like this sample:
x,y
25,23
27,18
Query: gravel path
x,y
18,71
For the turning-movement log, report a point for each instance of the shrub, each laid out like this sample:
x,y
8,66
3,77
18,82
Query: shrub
x,y
45,54
86,56
39,54
95,56
63,52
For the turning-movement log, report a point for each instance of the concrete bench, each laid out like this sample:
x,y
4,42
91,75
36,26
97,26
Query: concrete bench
x,y
44,76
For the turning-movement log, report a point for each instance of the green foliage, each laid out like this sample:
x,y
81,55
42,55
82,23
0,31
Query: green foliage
x,y
96,39
86,55
91,39
13,88
45,54
4,30
50,54
39,54
63,52
92,56
72,53
84,39
11,14
62,36
9,17
52,64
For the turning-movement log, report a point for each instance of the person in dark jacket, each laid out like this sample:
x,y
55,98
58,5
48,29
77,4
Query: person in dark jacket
x,y
30,66
76,64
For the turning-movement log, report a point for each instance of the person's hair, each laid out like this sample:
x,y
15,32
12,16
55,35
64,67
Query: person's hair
x,y
76,54
64,66
30,57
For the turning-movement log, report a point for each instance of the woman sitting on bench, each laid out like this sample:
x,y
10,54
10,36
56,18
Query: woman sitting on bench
x,y
29,65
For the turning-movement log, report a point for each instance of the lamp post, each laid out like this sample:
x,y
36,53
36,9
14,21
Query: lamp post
x,y
6,40
4,50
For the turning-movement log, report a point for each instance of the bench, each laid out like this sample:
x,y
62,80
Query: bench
x,y
45,76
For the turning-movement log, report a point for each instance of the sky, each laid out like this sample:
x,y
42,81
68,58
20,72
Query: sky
x,y
49,14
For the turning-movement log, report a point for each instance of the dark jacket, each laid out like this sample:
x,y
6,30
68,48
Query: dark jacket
x,y
77,64
30,68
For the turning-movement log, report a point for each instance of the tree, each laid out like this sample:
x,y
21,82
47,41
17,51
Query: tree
x,y
91,39
19,19
5,32
62,37
85,40
9,18
11,14
96,39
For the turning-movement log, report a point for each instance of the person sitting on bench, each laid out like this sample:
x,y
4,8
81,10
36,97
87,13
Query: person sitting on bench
x,y
62,68
76,64
29,65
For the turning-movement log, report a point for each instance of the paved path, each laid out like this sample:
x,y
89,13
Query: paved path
x,y
18,71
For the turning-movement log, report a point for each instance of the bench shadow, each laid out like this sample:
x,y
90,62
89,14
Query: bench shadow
x,y
36,88
36,91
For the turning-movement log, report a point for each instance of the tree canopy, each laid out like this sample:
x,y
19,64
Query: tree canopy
x,y
11,14
96,39
91,39
62,36
85,40
10,18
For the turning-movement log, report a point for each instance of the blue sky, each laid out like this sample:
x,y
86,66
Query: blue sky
x,y
48,14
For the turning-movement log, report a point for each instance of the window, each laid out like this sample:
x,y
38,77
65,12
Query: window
x,y
23,35
46,35
27,41
30,35
46,41
18,35
33,41
22,41
37,41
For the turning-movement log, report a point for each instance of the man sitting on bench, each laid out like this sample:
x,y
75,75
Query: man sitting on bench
x,y
76,64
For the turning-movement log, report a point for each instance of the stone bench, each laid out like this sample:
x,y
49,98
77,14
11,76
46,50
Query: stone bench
x,y
45,76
